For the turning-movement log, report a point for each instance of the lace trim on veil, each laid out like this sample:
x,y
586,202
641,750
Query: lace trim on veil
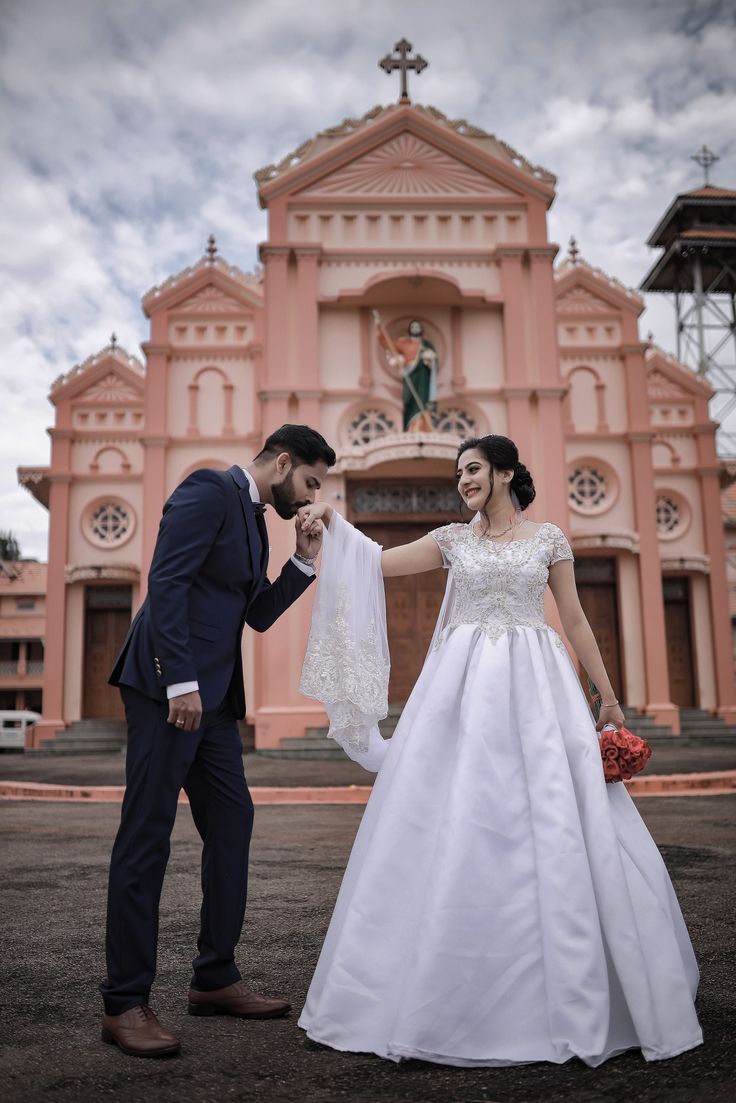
x,y
346,666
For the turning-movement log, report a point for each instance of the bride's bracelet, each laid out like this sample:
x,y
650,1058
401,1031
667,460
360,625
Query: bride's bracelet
x,y
608,704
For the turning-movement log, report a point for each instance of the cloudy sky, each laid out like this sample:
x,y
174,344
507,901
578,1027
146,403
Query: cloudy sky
x,y
130,129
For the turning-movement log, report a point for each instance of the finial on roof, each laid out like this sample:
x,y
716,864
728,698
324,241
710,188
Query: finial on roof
x,y
113,341
706,158
211,249
650,337
403,63
572,251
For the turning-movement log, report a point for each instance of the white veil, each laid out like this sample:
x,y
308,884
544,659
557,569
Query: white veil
x,y
346,666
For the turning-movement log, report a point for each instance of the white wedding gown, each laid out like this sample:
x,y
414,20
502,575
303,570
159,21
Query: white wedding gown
x,y
502,904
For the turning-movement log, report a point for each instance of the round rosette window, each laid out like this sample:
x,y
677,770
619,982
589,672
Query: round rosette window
x,y
592,486
108,523
673,514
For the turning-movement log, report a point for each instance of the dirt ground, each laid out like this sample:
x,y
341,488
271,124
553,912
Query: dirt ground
x,y
54,862
109,769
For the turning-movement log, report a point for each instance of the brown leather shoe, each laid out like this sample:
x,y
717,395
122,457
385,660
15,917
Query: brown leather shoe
x,y
139,1033
236,1000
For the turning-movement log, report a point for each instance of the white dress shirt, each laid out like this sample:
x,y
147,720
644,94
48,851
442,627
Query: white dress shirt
x,y
178,688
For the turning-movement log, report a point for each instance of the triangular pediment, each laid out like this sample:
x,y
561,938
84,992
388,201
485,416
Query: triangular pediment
x,y
579,300
582,289
110,388
207,287
109,376
405,165
210,300
670,381
406,150
662,389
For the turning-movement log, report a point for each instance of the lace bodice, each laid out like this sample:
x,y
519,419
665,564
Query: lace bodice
x,y
499,587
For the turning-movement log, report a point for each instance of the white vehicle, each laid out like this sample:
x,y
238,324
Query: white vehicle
x,y
13,726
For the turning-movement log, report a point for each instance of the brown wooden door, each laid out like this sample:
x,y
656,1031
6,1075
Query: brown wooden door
x,y
596,582
412,605
107,618
679,642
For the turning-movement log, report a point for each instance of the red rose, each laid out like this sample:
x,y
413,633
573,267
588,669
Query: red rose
x,y
624,754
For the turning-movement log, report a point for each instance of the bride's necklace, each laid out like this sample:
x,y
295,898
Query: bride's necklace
x,y
516,522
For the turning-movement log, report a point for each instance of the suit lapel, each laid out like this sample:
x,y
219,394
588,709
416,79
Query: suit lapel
x,y
254,540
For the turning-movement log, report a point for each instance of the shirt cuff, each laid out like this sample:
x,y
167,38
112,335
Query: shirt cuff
x,y
181,687
303,567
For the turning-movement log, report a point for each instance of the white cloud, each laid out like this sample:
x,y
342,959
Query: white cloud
x,y
131,130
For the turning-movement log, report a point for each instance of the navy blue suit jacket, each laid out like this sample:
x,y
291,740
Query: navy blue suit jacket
x,y
207,580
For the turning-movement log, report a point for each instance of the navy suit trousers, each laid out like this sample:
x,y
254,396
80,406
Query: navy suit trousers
x,y
208,765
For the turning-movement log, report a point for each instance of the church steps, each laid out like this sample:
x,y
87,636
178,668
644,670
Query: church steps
x,y
87,737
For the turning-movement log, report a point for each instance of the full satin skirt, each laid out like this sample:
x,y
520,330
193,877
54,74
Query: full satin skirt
x,y
502,904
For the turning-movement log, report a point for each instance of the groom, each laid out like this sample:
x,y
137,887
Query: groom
x,y
181,679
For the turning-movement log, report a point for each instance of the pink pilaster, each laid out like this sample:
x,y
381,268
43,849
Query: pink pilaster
x,y
709,471
53,667
276,279
307,275
155,443
640,435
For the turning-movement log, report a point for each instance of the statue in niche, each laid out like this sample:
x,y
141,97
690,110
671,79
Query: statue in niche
x,y
416,359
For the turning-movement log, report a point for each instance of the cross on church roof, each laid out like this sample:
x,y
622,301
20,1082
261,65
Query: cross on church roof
x,y
706,158
572,251
211,249
113,341
403,63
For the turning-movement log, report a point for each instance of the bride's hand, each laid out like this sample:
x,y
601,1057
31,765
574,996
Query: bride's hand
x,y
311,516
611,714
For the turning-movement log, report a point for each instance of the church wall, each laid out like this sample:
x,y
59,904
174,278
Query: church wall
x,y
408,227
354,274
689,537
83,547
483,362
210,396
339,347
630,614
74,646
703,659
107,458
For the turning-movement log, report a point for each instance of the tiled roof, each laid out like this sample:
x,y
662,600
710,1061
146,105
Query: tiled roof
x,y
22,577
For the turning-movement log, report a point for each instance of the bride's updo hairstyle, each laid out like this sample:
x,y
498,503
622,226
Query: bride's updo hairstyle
x,y
503,455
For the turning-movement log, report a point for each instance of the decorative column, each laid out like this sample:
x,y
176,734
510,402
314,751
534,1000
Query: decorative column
x,y
709,470
154,442
456,343
53,671
640,437
277,387
308,380
517,391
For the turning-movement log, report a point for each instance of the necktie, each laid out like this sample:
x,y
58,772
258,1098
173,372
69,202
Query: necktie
x,y
259,509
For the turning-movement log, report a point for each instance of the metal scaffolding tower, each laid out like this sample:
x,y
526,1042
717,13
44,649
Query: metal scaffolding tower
x,y
698,267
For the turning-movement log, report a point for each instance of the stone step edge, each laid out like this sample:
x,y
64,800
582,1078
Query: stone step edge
x,y
714,783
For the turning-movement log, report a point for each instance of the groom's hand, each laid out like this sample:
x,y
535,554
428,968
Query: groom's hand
x,y
309,531
185,712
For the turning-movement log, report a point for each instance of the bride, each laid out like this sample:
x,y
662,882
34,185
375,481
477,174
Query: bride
x,y
502,904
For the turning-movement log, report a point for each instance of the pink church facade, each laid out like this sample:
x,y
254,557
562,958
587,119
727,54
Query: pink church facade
x,y
420,218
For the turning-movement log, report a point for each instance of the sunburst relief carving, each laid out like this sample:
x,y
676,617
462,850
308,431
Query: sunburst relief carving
x,y
406,165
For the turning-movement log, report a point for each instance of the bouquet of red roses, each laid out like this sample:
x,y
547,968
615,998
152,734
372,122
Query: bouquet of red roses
x,y
624,754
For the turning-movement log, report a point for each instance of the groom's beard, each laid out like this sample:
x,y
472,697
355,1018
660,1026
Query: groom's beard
x,y
282,497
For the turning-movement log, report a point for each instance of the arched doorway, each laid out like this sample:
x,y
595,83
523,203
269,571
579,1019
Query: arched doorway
x,y
392,509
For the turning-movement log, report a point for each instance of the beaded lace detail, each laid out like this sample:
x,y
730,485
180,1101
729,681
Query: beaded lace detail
x,y
500,587
348,675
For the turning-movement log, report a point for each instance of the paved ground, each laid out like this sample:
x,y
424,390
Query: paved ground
x,y
109,769
54,860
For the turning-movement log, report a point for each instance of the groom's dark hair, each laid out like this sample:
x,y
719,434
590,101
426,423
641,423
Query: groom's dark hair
x,y
303,444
